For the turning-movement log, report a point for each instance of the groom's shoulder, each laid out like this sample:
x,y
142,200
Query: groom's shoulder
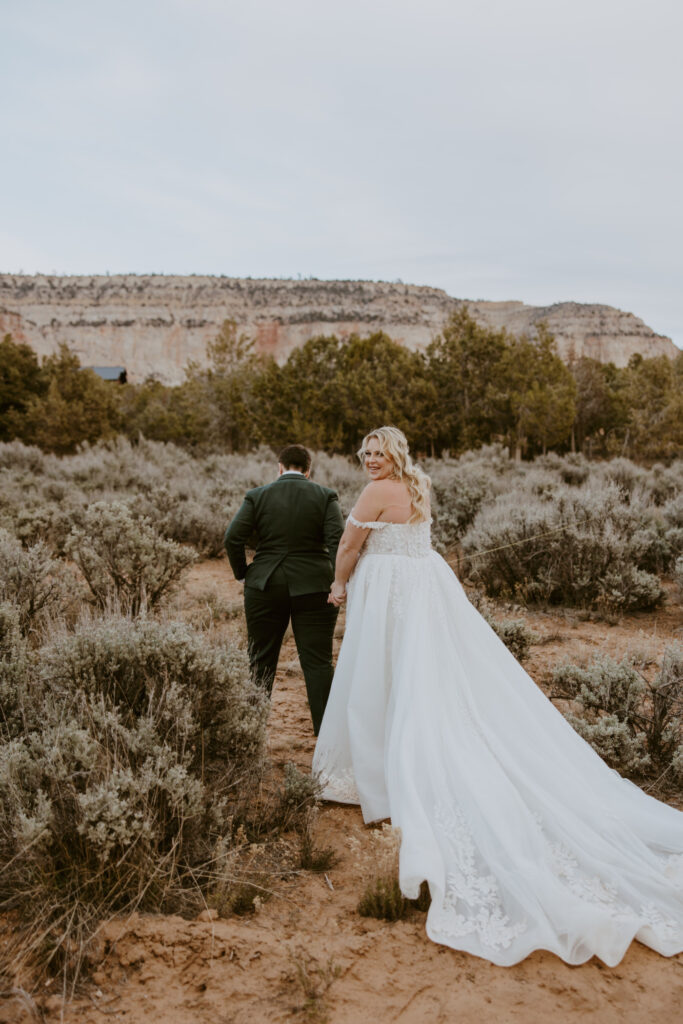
x,y
328,493
255,492
319,490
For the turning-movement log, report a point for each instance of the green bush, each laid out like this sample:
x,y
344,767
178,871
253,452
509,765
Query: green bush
x,y
124,558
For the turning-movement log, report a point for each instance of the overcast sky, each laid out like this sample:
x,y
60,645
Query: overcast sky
x,y
500,149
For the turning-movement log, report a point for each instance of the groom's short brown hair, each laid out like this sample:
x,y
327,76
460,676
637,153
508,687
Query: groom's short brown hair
x,y
295,456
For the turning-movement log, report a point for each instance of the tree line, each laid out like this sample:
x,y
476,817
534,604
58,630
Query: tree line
x,y
473,385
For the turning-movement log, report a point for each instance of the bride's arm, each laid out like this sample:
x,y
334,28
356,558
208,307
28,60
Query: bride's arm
x,y
367,509
348,551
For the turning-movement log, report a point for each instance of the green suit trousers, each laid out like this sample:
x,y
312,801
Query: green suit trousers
x,y
268,613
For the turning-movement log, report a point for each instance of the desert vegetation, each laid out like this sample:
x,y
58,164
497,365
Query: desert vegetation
x,y
133,767
134,772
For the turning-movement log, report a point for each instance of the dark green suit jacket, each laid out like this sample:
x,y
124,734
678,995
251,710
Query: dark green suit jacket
x,y
297,524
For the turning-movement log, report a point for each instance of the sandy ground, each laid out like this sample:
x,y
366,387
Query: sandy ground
x,y
306,955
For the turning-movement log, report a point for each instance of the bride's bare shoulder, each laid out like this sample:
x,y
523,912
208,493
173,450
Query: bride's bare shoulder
x,y
370,502
375,497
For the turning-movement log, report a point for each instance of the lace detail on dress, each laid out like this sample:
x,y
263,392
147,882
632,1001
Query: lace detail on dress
x,y
366,526
590,888
410,539
478,894
663,926
338,784
595,890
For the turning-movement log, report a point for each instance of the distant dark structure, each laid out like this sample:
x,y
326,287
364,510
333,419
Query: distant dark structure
x,y
115,373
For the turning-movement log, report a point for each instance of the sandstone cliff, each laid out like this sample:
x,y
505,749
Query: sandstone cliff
x,y
154,324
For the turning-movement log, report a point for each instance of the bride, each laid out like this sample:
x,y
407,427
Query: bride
x,y
526,838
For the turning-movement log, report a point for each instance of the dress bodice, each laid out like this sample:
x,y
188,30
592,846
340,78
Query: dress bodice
x,y
410,539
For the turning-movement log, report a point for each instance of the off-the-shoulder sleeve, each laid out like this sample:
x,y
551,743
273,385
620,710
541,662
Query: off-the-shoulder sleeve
x,y
365,526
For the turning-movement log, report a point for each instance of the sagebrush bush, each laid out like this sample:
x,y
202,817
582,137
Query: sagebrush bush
x,y
571,545
123,558
14,673
636,726
515,634
461,486
37,584
678,575
123,786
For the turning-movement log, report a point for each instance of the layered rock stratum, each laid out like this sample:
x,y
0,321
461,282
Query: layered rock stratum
x,y
155,324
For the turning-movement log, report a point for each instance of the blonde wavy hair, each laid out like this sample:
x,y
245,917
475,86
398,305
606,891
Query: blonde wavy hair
x,y
393,443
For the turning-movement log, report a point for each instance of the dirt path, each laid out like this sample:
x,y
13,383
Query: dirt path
x,y
307,955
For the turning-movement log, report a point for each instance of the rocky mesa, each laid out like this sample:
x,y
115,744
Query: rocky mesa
x,y
154,324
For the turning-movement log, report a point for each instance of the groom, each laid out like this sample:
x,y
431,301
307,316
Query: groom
x,y
297,524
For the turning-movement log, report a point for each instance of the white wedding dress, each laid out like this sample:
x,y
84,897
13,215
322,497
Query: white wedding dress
x,y
527,839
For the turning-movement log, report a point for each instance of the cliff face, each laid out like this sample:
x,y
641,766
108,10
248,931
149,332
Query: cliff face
x,y
153,325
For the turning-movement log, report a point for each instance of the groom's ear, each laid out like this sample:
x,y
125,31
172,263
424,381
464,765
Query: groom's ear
x,y
280,469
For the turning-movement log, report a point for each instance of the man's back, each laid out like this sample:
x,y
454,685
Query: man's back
x,y
297,525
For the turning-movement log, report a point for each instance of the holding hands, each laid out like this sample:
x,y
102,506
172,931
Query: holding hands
x,y
337,594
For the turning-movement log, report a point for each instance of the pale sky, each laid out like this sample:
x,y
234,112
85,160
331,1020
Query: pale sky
x,y
499,149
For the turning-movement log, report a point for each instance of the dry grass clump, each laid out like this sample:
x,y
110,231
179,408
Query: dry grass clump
x,y
315,981
130,744
377,857
123,558
636,726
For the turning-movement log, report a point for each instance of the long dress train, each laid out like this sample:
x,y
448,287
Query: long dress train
x,y
527,839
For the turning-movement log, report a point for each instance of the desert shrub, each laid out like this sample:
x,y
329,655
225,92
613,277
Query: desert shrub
x,y
573,546
126,662
37,584
514,633
455,503
636,726
15,455
14,666
605,685
121,793
296,809
664,722
625,474
124,558
678,575
672,511
677,766
571,469
461,486
626,587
